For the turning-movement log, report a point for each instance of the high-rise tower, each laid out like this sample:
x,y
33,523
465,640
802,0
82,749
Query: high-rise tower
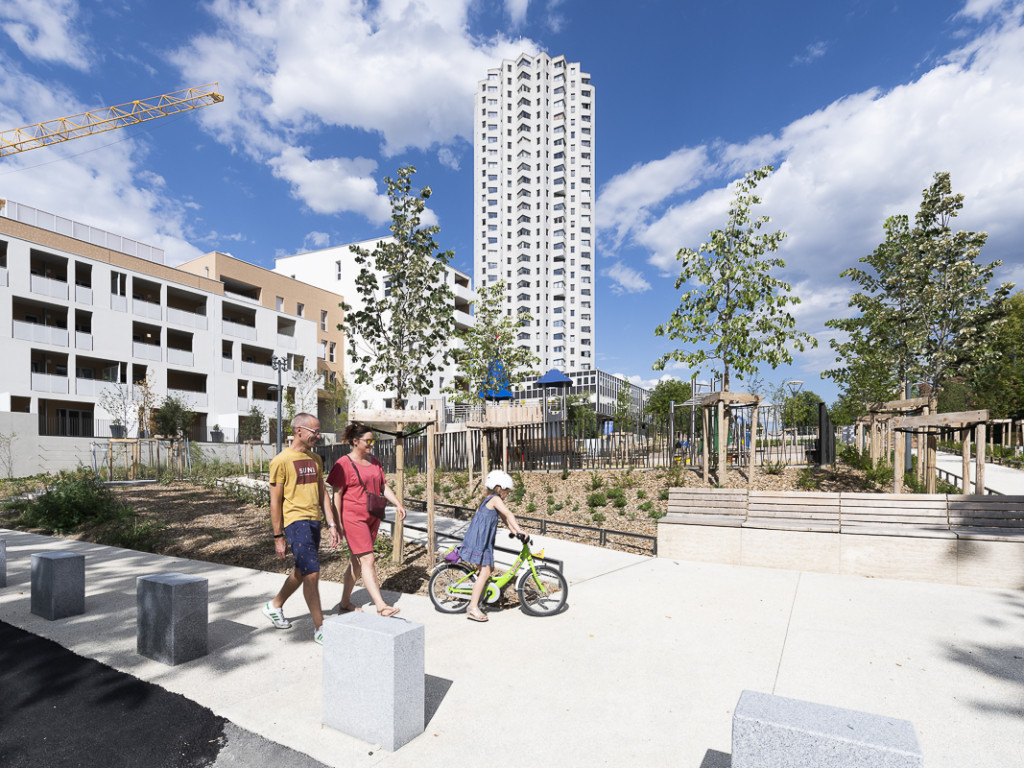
x,y
533,202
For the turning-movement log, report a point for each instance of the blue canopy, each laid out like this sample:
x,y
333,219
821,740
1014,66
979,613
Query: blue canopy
x,y
496,385
554,378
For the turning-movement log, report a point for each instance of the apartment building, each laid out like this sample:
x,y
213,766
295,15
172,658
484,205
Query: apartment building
x,y
88,309
533,202
336,269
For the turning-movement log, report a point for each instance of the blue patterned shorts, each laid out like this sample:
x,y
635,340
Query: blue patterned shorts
x,y
304,539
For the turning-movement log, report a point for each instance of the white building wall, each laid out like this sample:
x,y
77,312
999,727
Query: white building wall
x,y
335,269
72,364
533,202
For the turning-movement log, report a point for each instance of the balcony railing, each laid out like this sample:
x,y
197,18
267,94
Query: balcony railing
x,y
184,317
146,351
196,399
41,334
242,405
231,328
180,357
83,294
147,309
90,387
118,303
227,365
46,382
83,341
3,277
285,342
257,369
57,289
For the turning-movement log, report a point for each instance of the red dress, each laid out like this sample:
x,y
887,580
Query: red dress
x,y
360,526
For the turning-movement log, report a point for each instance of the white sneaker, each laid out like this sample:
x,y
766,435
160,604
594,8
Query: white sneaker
x,y
318,636
276,616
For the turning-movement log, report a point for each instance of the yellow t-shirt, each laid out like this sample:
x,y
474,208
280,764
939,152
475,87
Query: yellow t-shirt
x,y
301,475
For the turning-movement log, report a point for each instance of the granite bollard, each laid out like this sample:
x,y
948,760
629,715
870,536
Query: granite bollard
x,y
3,562
172,617
775,732
374,678
58,585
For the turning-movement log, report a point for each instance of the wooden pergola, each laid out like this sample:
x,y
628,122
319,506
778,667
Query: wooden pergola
x,y
396,421
719,401
932,424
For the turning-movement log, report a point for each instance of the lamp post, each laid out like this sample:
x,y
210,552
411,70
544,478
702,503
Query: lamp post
x,y
279,364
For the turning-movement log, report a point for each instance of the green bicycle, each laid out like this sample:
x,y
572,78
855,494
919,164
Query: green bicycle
x,y
542,589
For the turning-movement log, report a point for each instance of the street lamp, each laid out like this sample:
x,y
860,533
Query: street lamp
x,y
794,387
278,364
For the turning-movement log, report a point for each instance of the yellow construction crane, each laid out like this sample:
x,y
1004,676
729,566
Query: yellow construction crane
x,y
106,119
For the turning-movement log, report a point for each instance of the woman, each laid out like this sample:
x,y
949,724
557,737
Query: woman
x,y
352,476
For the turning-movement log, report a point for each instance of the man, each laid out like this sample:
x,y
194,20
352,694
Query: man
x,y
297,501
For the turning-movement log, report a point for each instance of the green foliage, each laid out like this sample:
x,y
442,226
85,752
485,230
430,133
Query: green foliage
x,y
624,411
596,481
598,517
582,420
798,410
619,501
253,425
404,330
773,467
641,494
647,506
597,499
663,494
810,479
666,392
174,417
998,384
924,310
673,475
531,508
736,311
72,499
493,336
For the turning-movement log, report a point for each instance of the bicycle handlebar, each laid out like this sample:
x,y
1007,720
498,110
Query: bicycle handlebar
x,y
521,536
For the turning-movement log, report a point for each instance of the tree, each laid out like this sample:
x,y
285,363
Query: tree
x,y
668,391
998,385
336,397
925,313
254,425
118,399
737,310
174,418
623,408
306,384
582,419
405,326
798,410
493,336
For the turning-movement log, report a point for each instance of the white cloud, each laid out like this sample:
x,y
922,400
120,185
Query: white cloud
x,y
46,30
626,279
448,158
812,52
316,240
333,184
516,10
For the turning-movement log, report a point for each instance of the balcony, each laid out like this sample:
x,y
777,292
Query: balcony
x,y
45,382
285,342
147,309
182,317
118,303
227,365
83,294
41,334
57,289
83,341
146,351
90,387
238,330
180,357
242,405
196,399
257,369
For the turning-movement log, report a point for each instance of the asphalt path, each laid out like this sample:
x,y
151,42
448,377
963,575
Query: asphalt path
x,y
61,710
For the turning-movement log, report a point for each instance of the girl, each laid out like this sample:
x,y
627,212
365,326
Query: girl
x,y
478,545
353,476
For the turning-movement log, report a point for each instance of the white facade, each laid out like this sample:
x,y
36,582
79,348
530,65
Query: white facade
x,y
533,202
80,316
335,269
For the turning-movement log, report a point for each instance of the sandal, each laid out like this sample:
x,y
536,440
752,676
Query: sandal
x,y
387,611
478,616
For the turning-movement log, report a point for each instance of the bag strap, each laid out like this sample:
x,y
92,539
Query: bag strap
x,y
358,476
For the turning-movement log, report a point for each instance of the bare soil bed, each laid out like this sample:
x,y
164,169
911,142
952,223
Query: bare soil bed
x,y
210,524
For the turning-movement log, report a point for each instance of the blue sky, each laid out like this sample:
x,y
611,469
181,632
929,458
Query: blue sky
x,y
856,102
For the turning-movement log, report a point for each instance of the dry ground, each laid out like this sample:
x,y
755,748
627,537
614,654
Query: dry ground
x,y
210,524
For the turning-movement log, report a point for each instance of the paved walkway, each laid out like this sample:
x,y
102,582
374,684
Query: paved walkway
x,y
1006,480
645,667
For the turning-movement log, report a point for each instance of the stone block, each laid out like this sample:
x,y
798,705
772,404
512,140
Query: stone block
x,y
793,550
374,678
775,732
172,617
702,543
898,557
58,585
3,562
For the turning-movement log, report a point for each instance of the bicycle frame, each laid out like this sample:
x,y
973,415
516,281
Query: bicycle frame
x,y
465,586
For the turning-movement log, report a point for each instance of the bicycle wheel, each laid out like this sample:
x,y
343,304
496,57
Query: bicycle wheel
x,y
544,595
449,587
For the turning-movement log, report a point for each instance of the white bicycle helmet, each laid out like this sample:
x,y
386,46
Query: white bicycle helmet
x,y
497,478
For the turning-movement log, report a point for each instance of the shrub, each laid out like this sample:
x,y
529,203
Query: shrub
x,y
619,502
809,480
597,500
596,481
663,494
656,514
774,468
73,499
531,507
641,494
647,506
598,517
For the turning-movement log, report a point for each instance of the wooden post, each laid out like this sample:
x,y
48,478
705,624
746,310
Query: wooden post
x,y
979,460
704,443
484,460
965,454
897,466
398,539
431,544
753,450
470,458
723,442
874,441
933,452
504,447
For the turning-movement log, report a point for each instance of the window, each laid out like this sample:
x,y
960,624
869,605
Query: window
x,y
330,355
323,319
300,308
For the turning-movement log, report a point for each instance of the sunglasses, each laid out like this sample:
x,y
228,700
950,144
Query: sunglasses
x,y
311,431
369,441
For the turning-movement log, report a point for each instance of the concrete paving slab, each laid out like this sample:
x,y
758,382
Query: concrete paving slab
x,y
645,666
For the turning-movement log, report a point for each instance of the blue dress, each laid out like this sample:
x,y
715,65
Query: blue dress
x,y
478,545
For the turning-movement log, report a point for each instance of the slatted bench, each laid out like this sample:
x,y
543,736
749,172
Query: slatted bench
x,y
779,510
873,514
794,530
990,540
703,524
